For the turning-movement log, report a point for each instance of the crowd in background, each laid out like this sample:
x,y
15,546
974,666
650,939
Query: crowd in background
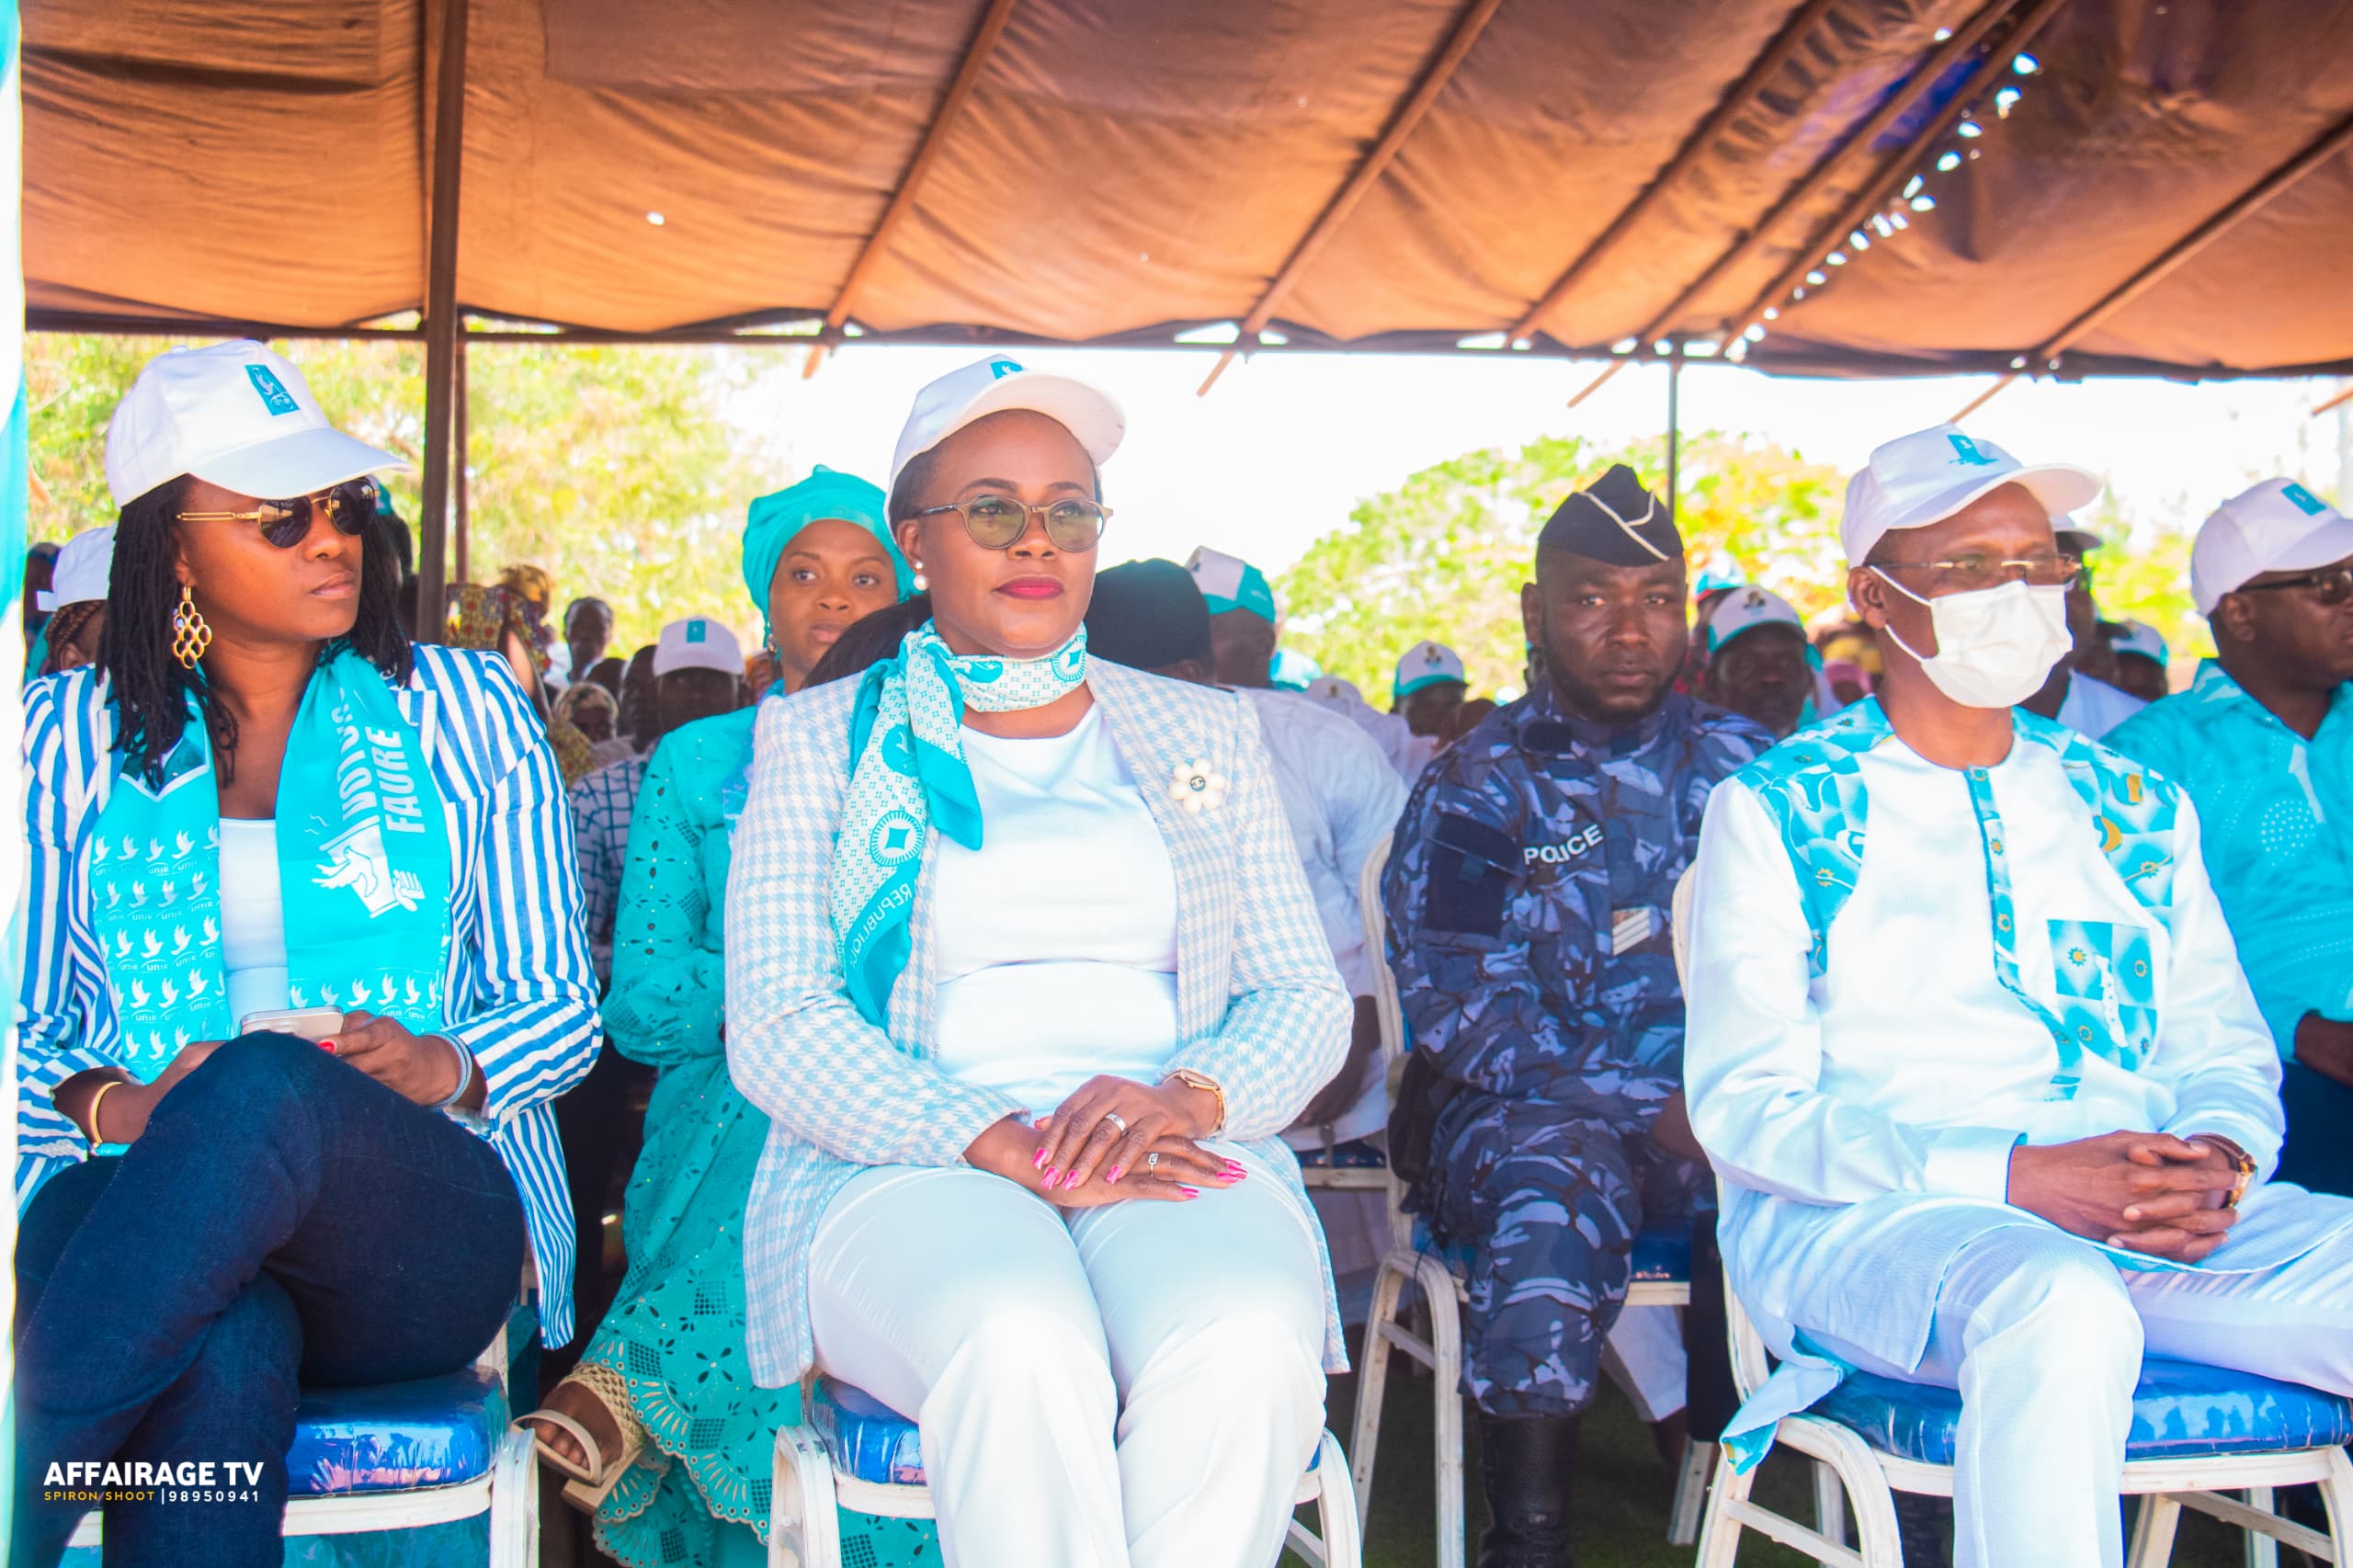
x,y
1544,1114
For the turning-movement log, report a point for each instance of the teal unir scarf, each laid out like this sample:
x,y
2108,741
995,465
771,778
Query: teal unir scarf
x,y
908,775
363,866
773,521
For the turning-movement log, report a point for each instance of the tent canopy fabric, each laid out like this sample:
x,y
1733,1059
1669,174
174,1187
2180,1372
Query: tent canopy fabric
x,y
1131,172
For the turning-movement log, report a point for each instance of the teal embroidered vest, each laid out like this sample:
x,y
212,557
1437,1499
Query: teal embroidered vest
x,y
1812,786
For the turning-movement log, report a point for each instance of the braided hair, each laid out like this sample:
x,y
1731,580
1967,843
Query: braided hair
x,y
151,690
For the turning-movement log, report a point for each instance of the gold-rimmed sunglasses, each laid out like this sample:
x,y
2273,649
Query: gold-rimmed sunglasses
x,y
287,523
997,522
1967,574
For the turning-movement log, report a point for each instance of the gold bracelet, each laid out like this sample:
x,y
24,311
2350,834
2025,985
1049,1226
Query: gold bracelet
x,y
90,1131
1193,1080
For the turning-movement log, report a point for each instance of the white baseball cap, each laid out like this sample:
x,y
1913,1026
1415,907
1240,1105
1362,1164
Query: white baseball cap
x,y
1333,691
2138,637
1746,607
83,569
1426,664
998,383
2276,526
697,643
1927,476
234,415
1230,583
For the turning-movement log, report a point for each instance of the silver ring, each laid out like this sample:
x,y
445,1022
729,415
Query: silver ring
x,y
1151,1161
1116,1120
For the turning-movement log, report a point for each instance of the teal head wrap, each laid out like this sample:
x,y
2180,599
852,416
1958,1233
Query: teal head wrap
x,y
774,521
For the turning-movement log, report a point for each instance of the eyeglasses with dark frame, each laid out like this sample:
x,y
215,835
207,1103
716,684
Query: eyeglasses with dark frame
x,y
287,523
1969,573
2330,584
997,522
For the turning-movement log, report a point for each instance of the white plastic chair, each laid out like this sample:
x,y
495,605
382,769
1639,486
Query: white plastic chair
x,y
1441,1291
1849,1466
850,1452
506,1488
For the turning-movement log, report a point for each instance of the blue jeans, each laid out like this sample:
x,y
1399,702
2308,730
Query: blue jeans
x,y
285,1218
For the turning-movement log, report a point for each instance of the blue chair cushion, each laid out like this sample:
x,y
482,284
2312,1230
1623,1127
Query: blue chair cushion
x,y
866,1438
1356,1155
395,1436
1658,1254
2180,1409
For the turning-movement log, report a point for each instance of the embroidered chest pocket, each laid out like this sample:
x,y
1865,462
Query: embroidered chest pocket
x,y
2106,976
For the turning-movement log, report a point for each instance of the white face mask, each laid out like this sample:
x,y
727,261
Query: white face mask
x,y
1995,646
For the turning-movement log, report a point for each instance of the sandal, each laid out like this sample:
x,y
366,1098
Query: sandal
x,y
591,1484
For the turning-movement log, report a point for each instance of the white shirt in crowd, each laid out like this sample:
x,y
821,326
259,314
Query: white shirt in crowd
x,y
1342,799
2092,707
1057,937
1405,751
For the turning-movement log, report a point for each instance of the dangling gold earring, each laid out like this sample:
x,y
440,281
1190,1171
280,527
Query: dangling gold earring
x,y
190,635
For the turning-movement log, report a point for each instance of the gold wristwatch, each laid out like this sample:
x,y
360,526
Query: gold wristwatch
x,y
1193,1080
2239,1157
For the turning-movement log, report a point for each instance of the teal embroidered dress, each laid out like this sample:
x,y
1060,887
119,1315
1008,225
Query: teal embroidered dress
x,y
697,1496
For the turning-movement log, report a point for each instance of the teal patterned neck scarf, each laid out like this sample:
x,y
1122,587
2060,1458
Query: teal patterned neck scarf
x,y
907,774
363,864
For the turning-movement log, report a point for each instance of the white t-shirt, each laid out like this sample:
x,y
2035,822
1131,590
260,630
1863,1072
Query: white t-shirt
x,y
2092,707
1057,938
1341,796
253,918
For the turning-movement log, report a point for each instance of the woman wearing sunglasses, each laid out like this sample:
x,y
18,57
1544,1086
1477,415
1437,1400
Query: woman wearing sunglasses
x,y
661,1429
264,814
1025,972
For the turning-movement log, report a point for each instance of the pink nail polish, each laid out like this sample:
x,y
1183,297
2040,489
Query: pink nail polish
x,y
1039,1162
1117,1172
1052,1176
1070,1182
1190,1191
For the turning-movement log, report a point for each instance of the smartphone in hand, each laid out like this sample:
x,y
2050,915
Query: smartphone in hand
x,y
316,1025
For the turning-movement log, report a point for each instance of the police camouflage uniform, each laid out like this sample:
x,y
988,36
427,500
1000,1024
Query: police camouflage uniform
x,y
1528,905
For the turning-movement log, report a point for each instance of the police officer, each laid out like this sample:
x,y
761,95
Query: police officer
x,y
1528,905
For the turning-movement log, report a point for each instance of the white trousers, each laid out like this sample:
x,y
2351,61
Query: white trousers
x,y
2042,1335
1137,1386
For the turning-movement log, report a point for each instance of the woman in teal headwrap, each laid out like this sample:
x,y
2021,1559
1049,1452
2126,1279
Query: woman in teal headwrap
x,y
661,1426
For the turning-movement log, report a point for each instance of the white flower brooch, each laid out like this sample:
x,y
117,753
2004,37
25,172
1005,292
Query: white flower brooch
x,y
1198,788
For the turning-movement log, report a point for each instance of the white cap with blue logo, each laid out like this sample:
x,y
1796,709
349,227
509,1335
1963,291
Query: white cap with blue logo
x,y
2276,526
1000,383
1928,475
1427,663
697,643
233,414
1230,583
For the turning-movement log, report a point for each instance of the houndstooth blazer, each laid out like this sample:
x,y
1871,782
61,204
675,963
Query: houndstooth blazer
x,y
1260,1007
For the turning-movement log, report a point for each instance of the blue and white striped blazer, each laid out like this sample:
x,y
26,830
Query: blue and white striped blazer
x,y
1260,1007
522,995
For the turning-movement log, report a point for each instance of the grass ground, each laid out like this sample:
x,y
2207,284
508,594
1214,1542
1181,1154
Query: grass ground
x,y
1622,1492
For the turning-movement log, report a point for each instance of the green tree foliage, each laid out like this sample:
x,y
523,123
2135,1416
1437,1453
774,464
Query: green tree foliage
x,y
1444,555
615,468
2141,573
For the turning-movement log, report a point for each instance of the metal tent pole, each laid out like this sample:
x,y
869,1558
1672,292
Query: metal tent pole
x,y
460,536
1674,425
441,314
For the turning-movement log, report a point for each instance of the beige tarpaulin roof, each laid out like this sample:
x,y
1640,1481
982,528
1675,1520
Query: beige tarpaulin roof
x,y
1441,170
